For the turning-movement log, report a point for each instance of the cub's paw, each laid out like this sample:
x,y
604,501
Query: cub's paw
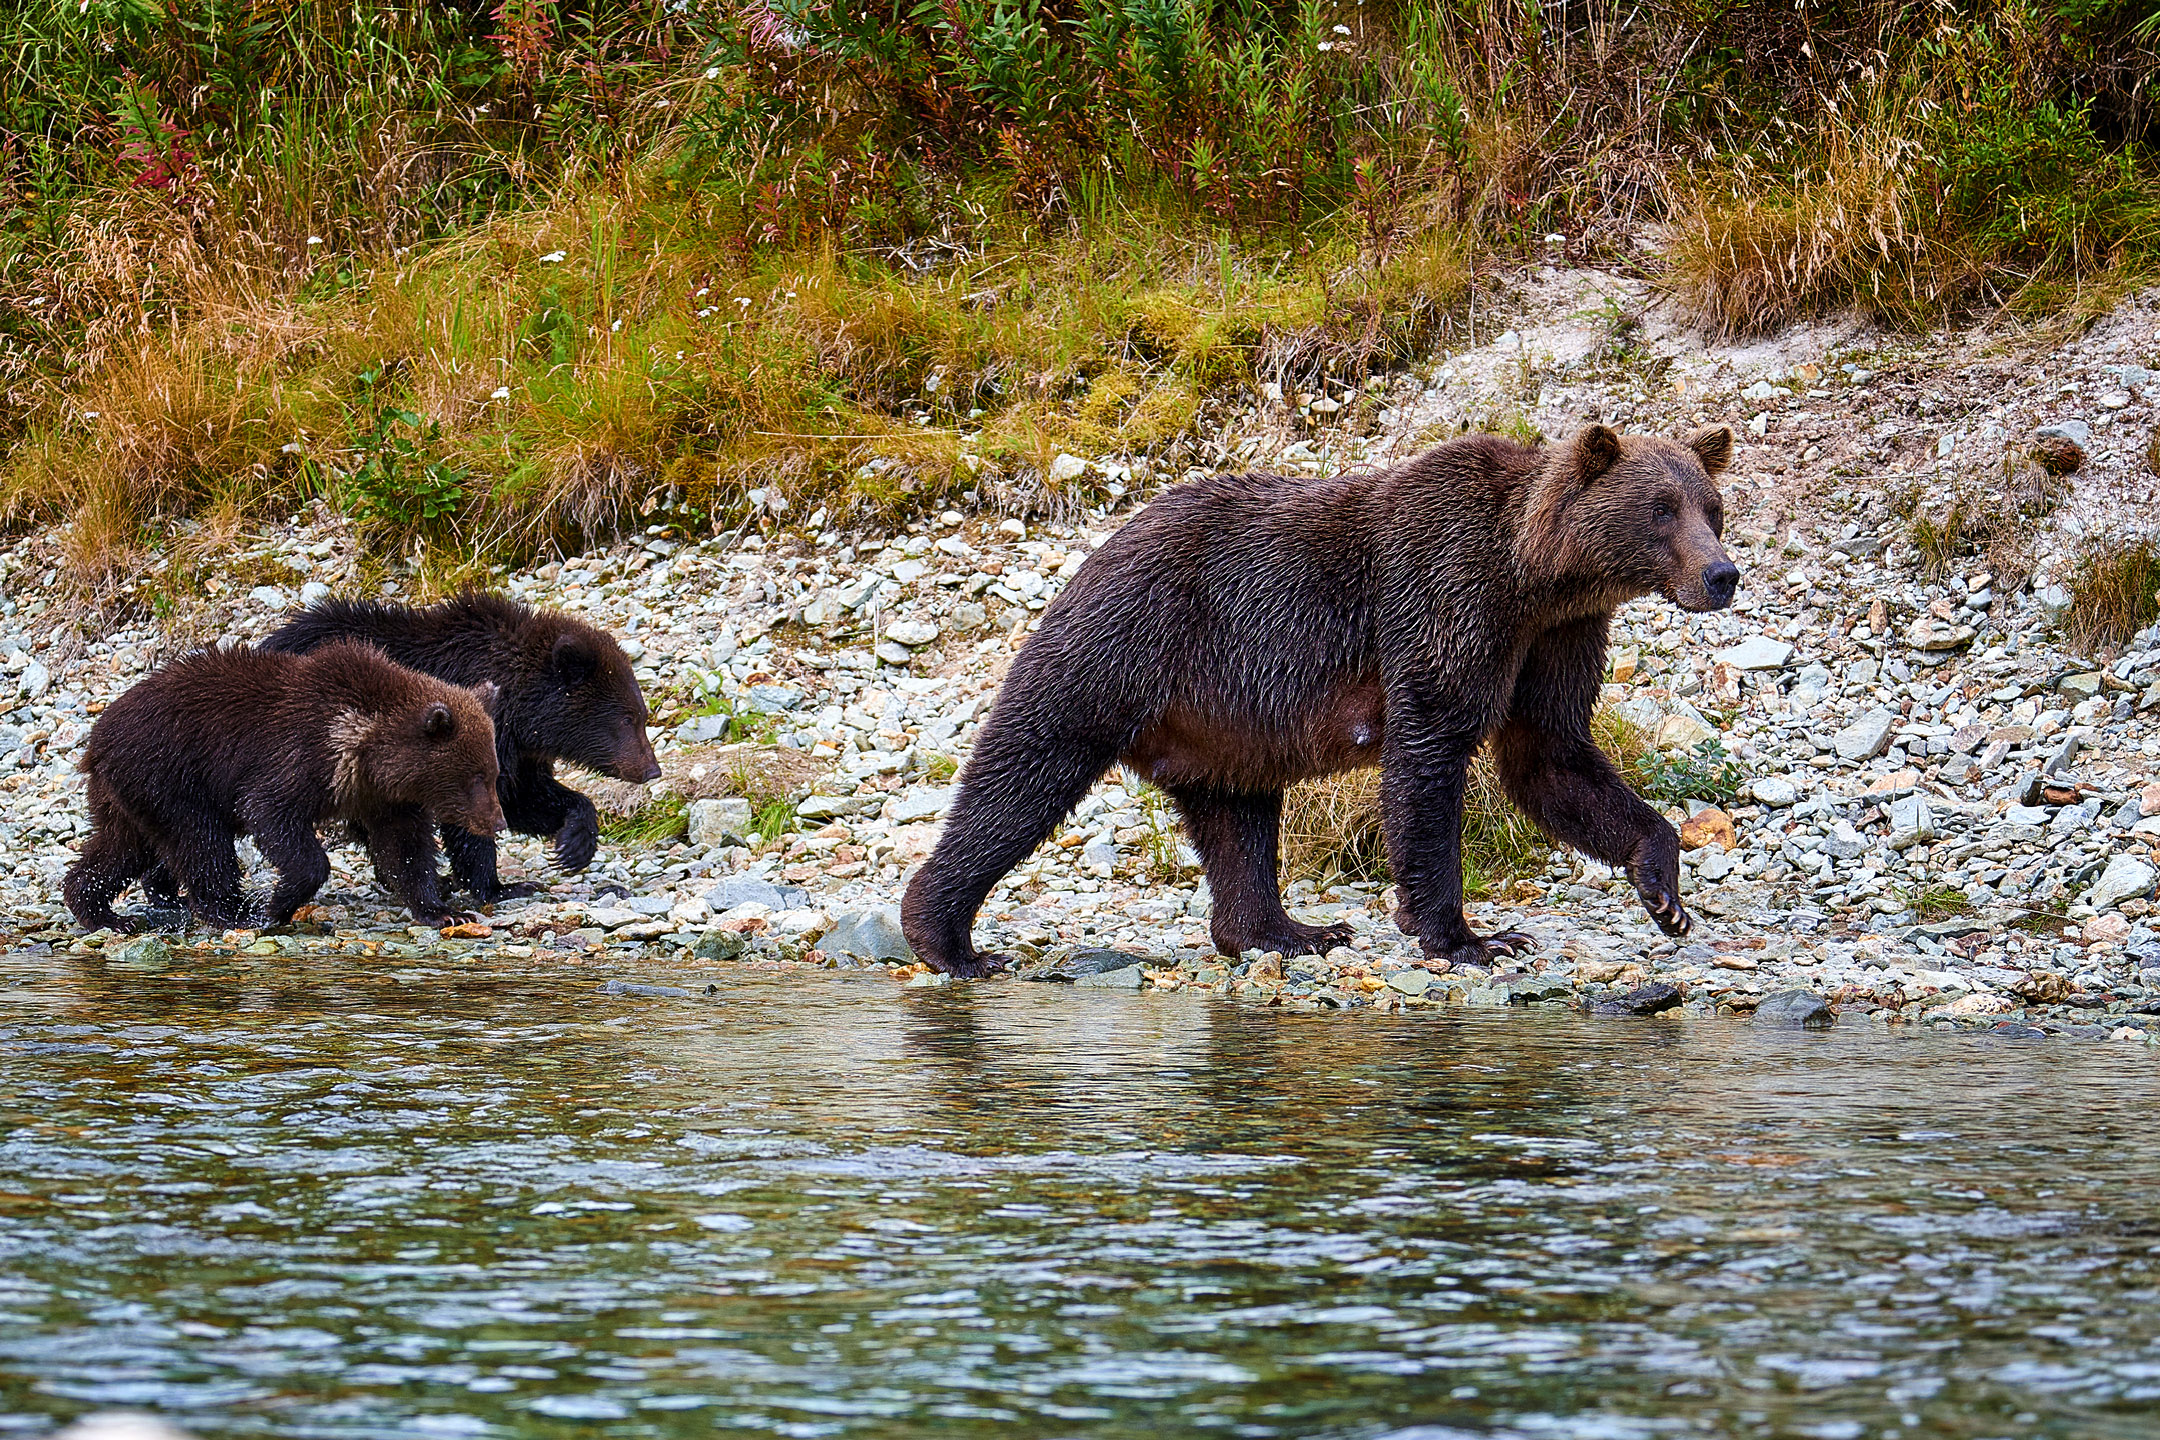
x,y
442,915
576,842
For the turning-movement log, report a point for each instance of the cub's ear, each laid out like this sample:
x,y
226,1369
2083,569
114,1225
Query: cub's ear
x,y
439,722
574,660
488,694
1713,447
1594,450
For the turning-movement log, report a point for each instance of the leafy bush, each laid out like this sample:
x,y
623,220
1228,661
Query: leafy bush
x,y
1707,774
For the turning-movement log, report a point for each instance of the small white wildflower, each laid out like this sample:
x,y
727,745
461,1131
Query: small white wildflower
x,y
1342,29
614,327
1324,47
743,300
292,447
553,257
89,414
500,392
712,72
314,239
702,292
790,294
707,311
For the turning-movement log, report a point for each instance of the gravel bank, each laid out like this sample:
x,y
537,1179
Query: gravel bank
x,y
1948,819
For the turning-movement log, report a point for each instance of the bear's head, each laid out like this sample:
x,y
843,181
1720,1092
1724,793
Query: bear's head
x,y
581,701
1643,515
424,743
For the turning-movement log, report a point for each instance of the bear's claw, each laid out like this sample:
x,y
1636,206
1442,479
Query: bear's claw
x,y
1671,916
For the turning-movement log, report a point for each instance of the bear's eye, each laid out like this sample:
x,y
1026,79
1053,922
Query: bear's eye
x,y
1663,510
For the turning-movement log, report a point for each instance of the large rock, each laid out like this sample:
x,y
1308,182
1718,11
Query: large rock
x,y
1773,790
1795,1010
1681,734
872,934
1930,634
1652,999
1128,977
1866,737
713,822
1757,652
2124,879
1911,822
919,805
912,633
747,890
1708,827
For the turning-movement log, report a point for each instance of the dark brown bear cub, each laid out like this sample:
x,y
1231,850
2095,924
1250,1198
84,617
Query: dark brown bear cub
x,y
567,694
223,743
1244,632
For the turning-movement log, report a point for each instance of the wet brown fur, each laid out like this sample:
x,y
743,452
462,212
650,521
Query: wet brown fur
x,y
230,742
1244,632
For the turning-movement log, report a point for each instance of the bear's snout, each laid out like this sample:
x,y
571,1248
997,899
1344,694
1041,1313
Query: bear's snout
x,y
636,762
1720,581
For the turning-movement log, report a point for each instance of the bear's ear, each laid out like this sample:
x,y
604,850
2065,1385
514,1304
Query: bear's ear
x,y
1594,450
488,694
574,660
1713,447
440,723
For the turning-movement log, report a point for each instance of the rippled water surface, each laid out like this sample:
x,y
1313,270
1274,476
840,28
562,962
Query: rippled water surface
x,y
278,1198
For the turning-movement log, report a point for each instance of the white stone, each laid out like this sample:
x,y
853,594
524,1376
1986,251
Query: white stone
x,y
120,1425
2124,879
269,595
1067,468
1773,790
1866,737
36,680
712,821
1757,652
1911,822
919,805
914,633
314,593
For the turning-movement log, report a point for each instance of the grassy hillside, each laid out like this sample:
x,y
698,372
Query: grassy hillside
x,y
497,277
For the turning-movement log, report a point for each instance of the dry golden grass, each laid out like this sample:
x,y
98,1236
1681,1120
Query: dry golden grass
x,y
1331,826
614,352
1996,524
2115,594
1752,255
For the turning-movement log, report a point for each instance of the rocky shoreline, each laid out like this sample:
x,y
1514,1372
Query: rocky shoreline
x,y
1947,818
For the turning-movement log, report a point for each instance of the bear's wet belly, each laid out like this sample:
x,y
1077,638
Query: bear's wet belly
x,y
1343,730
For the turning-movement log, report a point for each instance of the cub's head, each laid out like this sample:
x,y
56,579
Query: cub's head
x,y
434,748
1642,513
581,701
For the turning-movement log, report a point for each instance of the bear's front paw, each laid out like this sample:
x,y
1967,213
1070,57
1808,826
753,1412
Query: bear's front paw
x,y
494,894
1665,908
1482,951
980,965
442,915
576,842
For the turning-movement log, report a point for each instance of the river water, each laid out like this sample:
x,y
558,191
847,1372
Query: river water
x,y
276,1197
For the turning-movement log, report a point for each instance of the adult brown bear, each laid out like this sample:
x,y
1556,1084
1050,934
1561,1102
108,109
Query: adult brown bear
x,y
1247,631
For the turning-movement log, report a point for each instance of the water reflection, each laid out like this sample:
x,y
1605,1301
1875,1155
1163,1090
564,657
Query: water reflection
x,y
284,1197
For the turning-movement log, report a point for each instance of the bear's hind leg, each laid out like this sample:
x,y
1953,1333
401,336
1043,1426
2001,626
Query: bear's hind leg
x,y
1015,791
202,859
115,853
289,844
1237,835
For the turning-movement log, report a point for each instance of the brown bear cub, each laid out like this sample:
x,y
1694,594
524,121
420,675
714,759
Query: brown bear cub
x,y
223,743
567,693
1244,632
